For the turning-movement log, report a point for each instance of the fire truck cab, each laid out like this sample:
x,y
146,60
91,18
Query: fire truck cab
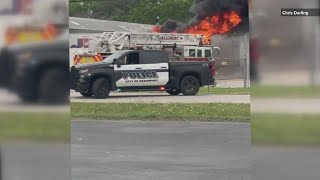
x,y
194,53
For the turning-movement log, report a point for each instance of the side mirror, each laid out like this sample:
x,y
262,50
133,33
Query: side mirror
x,y
114,61
217,49
118,65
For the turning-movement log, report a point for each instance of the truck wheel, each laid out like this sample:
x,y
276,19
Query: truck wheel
x,y
189,85
101,88
173,92
54,87
86,94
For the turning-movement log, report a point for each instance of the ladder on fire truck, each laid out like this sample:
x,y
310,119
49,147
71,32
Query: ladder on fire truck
x,y
126,40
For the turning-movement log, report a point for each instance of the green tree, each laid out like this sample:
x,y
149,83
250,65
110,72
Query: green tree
x,y
146,11
101,9
137,11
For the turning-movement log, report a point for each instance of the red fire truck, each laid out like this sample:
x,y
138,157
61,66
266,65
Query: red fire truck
x,y
181,47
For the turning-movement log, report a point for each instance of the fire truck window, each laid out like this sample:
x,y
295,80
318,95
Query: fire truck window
x,y
199,53
192,52
207,53
133,58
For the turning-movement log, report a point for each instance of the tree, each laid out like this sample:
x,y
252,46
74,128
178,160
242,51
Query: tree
x,y
146,11
137,11
101,9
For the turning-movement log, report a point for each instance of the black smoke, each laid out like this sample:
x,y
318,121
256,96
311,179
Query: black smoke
x,y
207,8
169,26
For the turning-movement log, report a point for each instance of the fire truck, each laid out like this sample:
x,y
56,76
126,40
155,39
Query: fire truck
x,y
84,54
181,47
27,34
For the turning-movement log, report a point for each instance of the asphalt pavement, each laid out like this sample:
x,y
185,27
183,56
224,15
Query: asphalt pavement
x,y
286,105
144,150
10,102
160,97
285,163
35,161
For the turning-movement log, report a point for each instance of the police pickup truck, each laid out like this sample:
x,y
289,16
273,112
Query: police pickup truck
x,y
37,72
140,70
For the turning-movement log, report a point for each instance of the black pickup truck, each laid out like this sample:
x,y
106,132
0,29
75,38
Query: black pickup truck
x,y
37,72
144,70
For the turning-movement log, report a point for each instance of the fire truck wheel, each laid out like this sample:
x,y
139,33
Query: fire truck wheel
x,y
54,87
173,92
189,85
86,94
101,88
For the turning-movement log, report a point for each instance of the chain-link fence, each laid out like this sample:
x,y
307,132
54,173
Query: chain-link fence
x,y
232,63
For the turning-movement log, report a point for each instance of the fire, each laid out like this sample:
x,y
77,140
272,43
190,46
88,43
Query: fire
x,y
156,29
210,26
215,25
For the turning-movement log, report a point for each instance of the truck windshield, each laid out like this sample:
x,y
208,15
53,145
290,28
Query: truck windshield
x,y
115,55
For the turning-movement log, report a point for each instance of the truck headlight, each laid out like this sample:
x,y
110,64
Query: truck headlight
x,y
83,71
24,56
23,60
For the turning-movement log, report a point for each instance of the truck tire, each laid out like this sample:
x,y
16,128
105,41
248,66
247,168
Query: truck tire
x,y
189,85
54,86
86,94
173,92
101,88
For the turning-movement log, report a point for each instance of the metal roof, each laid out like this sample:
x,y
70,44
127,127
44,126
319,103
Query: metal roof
x,y
86,24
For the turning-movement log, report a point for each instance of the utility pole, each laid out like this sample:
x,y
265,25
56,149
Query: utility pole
x,y
1,166
315,61
245,57
317,47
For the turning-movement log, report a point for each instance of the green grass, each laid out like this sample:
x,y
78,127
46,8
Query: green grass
x,y
194,112
285,91
225,91
284,129
35,126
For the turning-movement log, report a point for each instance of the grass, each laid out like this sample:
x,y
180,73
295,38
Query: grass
x,y
35,126
225,91
284,129
285,91
194,112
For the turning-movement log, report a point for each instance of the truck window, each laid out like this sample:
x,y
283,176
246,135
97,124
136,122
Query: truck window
x,y
192,52
133,58
207,53
152,57
199,53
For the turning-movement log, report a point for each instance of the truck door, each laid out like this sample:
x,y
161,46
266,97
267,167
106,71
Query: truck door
x,y
142,69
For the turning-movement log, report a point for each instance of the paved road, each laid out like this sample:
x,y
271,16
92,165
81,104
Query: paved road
x,y
285,163
9,102
285,105
161,97
34,161
124,150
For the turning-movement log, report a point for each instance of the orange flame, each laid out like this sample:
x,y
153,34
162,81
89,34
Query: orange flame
x,y
156,29
210,26
215,25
